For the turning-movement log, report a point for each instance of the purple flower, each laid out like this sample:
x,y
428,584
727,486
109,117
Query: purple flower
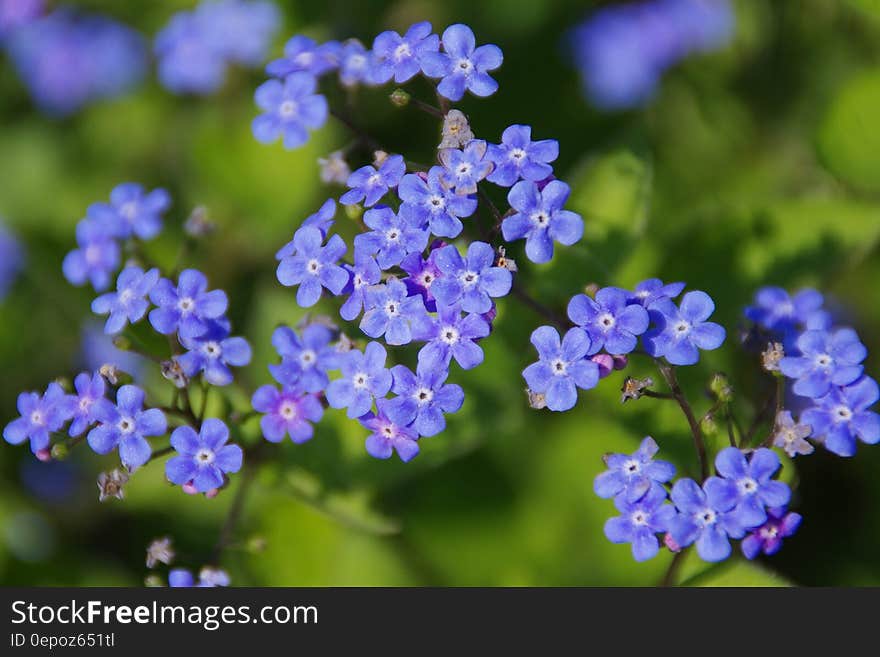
x,y
450,335
322,219
304,360
432,203
303,55
461,65
649,291
187,308
188,59
96,258
362,275
562,367
239,31
390,433
129,302
423,273
390,312
132,211
768,537
11,260
842,416
826,359
631,476
15,13
608,320
287,412
400,56
681,331
126,426
354,63
213,353
313,266
791,436
540,218
704,517
392,238
464,168
89,389
290,109
473,280
775,311
640,521
518,157
424,397
203,458
755,487
364,378
40,416
369,185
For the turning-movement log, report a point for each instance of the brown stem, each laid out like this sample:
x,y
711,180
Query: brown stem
x,y
672,570
668,373
366,139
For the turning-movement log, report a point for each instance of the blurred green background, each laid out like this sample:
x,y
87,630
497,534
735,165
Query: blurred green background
x,y
759,164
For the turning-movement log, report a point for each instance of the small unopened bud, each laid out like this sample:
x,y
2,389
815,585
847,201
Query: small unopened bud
x,y
43,455
620,361
635,388
189,488
456,132
110,484
257,544
172,371
379,158
211,494
334,168
537,400
670,543
197,223
153,581
354,211
60,451
504,262
708,425
771,356
110,372
65,383
719,386
121,342
160,551
591,288
605,363
399,98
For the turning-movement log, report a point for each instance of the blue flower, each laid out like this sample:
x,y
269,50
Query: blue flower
x,y
96,258
213,353
631,476
400,56
640,521
450,335
681,331
303,54
354,63
775,311
608,320
461,65
287,412
15,13
239,31
392,238
826,359
126,426
649,291
424,397
842,416
129,302
433,203
208,578
89,389
390,432
187,308
768,537
362,275
290,109
11,260
540,219
422,274
364,378
131,211
203,458
562,367
323,218
40,416
369,185
704,517
187,55
755,488
390,312
464,168
473,280
305,360
313,266
518,157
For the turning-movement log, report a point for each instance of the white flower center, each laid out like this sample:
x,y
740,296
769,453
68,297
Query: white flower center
x,y
307,358
304,59
393,235
358,281
540,219
126,425
769,532
559,367
706,517
437,203
640,518
427,278
449,335
313,266
424,396
93,254
392,309
464,169
517,155
469,279
747,486
128,210
402,51
287,109
606,321
212,349
125,296
682,328
824,360
360,380
374,180
464,65
186,304
357,61
287,410
37,417
205,456
632,467
86,403
843,414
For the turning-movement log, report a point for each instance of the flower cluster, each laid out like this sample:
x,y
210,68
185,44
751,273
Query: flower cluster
x,y
68,60
622,51
743,501
608,326
11,260
195,48
292,106
823,364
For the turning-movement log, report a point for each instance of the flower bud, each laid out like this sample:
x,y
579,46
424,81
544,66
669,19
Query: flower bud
x,y
399,98
122,343
60,451
720,387
153,581
536,399
771,356
197,224
43,455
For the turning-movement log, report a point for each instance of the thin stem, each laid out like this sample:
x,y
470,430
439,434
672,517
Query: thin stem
x,y
730,435
780,399
204,407
538,307
672,570
656,395
234,514
427,108
668,373
159,453
365,139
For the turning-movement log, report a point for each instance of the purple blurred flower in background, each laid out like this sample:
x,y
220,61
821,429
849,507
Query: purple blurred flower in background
x,y
11,260
622,51
15,13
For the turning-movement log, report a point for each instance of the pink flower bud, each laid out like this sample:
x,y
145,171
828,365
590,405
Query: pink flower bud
x,y
43,455
605,363
211,494
189,488
670,543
